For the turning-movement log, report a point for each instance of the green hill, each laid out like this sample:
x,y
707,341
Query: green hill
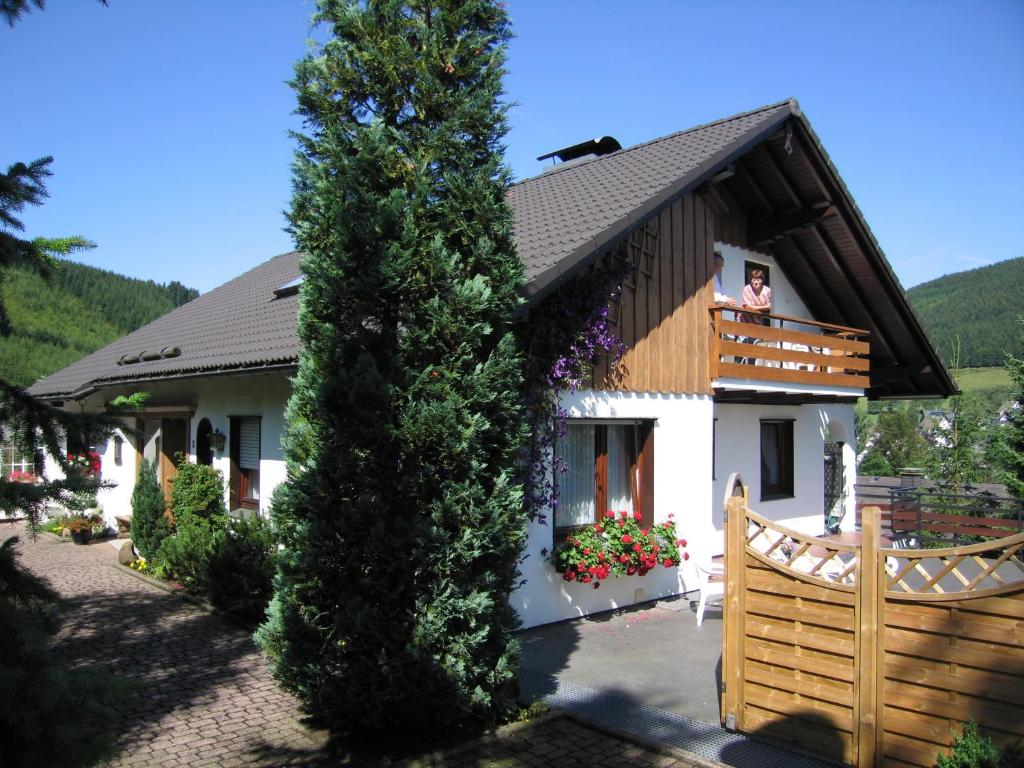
x,y
980,306
81,310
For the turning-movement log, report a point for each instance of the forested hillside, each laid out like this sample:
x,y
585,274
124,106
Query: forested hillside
x,y
81,310
980,306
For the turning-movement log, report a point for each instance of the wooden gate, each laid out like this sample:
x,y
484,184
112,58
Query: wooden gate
x,y
869,656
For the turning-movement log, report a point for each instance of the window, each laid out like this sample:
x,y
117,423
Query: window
x,y
14,465
776,459
607,466
245,462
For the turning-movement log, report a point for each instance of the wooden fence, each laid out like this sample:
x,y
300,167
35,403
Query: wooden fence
x,y
864,655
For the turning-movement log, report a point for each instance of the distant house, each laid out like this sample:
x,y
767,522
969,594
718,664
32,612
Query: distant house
x,y
702,394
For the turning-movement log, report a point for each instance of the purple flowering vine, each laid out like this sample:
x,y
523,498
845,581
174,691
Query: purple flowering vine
x,y
568,335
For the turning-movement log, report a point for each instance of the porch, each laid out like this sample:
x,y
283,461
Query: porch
x,y
649,672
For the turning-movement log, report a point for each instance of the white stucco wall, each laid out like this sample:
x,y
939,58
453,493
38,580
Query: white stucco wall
x,y
785,299
263,396
738,449
682,473
213,398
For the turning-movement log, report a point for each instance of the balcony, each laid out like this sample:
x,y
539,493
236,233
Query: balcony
x,y
789,355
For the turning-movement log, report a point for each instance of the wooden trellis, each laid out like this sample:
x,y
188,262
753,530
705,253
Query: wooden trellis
x,y
869,655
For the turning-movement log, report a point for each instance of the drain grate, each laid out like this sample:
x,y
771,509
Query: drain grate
x,y
707,741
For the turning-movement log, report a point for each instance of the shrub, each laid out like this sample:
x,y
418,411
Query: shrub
x,y
973,749
184,554
240,568
149,523
198,491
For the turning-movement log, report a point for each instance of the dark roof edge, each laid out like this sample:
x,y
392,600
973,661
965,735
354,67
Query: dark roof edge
x,y
199,373
541,285
791,102
879,256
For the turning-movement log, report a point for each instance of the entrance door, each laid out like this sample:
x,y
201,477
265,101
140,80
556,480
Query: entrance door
x,y
834,486
173,440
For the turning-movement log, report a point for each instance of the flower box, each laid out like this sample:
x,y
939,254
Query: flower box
x,y
618,546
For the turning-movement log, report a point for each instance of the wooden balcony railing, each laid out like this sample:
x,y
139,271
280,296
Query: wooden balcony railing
x,y
789,350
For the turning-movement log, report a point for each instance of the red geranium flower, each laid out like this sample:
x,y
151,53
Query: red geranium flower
x,y
669,563
637,548
627,539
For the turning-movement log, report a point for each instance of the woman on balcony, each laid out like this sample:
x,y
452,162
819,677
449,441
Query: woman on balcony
x,y
756,297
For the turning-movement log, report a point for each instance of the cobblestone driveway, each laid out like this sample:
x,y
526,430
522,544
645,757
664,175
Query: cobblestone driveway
x,y
208,697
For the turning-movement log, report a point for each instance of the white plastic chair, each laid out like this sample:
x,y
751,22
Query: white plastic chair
x,y
711,580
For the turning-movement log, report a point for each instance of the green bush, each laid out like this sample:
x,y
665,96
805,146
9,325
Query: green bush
x,y
240,568
149,523
973,749
184,554
197,490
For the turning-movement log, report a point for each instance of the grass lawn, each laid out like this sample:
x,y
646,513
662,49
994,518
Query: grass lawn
x,y
973,379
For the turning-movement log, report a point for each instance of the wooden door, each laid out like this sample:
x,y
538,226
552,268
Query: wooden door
x,y
173,440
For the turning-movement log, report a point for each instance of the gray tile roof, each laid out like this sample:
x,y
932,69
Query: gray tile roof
x,y
565,215
561,217
238,325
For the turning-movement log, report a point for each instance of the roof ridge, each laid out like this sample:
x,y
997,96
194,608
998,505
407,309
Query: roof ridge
x,y
791,102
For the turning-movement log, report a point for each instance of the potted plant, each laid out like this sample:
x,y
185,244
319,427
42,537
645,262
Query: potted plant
x,y
80,527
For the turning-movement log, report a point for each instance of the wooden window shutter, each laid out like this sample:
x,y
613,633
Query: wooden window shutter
x,y
646,473
234,481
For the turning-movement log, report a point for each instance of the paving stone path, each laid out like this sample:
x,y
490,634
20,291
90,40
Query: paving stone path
x,y
207,697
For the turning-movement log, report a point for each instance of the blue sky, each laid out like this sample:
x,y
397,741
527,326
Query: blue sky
x,y
169,122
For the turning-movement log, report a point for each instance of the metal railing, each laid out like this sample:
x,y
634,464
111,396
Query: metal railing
x,y
939,516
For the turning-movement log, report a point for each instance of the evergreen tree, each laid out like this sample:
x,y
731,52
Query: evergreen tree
x,y
956,458
401,518
1013,430
25,422
149,523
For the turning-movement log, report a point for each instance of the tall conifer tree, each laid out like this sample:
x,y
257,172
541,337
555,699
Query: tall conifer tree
x,y
402,518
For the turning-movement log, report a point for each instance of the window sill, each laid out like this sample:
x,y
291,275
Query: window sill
x,y
776,496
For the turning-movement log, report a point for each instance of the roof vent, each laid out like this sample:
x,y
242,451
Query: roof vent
x,y
592,148
289,289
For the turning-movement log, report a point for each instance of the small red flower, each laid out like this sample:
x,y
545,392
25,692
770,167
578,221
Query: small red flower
x,y
598,528
582,566
621,523
686,555
643,531
631,570
681,542
609,513
600,555
638,516
657,548
669,563
586,579
627,539
624,559
586,551
637,548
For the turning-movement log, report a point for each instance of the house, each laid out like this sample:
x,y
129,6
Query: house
x,y
699,394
